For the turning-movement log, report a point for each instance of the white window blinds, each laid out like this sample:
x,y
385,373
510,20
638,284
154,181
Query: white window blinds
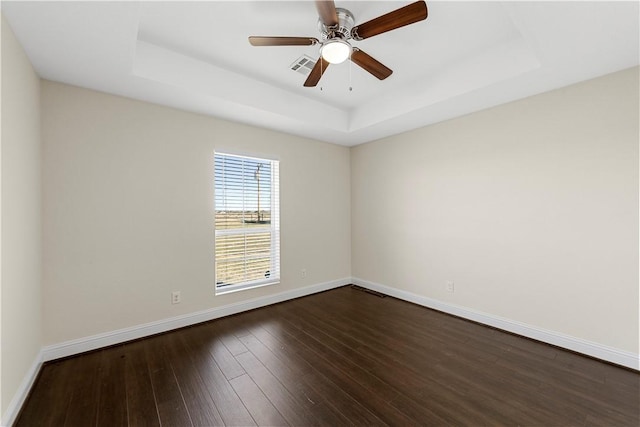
x,y
247,222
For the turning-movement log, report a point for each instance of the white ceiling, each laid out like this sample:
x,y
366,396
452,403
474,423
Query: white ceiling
x,y
466,56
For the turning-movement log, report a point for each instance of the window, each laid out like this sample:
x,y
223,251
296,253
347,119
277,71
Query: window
x,y
247,223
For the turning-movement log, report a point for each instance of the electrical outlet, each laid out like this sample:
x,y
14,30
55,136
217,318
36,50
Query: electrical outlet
x,y
449,286
303,273
175,297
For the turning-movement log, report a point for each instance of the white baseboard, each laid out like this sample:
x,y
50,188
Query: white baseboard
x,y
599,351
69,348
10,415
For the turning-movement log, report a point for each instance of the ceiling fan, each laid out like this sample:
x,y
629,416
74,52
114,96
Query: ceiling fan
x,y
336,26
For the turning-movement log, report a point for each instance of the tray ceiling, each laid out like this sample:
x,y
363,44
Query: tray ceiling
x,y
194,56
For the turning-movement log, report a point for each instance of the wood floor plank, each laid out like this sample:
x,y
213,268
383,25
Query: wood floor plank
x,y
201,407
260,408
229,405
141,403
291,367
364,387
340,357
290,372
172,410
112,406
353,355
210,337
49,399
484,384
337,398
225,332
378,344
83,406
233,344
279,396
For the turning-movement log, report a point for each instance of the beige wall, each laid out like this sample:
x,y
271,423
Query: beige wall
x,y
128,210
530,208
21,225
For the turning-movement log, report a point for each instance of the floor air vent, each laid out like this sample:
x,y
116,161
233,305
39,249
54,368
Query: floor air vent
x,y
303,65
369,291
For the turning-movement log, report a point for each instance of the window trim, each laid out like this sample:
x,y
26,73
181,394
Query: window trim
x,y
273,229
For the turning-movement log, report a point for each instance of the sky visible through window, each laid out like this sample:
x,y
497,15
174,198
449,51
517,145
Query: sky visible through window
x,y
242,184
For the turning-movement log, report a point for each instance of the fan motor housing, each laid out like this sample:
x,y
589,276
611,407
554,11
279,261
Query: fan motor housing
x,y
342,30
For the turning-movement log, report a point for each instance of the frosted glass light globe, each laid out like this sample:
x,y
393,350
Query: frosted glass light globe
x,y
335,51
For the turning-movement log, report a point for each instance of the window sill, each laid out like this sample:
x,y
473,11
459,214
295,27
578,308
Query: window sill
x,y
243,287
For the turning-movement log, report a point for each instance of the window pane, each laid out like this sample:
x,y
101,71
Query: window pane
x,y
246,221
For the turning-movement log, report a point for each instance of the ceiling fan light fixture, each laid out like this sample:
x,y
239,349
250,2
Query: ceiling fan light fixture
x,y
335,51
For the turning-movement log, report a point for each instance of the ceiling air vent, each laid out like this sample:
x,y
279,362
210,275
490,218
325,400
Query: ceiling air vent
x,y
303,65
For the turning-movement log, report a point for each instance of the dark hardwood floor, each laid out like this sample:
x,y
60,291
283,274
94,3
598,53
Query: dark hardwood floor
x,y
342,357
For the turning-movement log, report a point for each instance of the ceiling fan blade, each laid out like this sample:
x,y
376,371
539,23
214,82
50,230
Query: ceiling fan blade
x,y
327,12
370,64
282,41
316,73
398,18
